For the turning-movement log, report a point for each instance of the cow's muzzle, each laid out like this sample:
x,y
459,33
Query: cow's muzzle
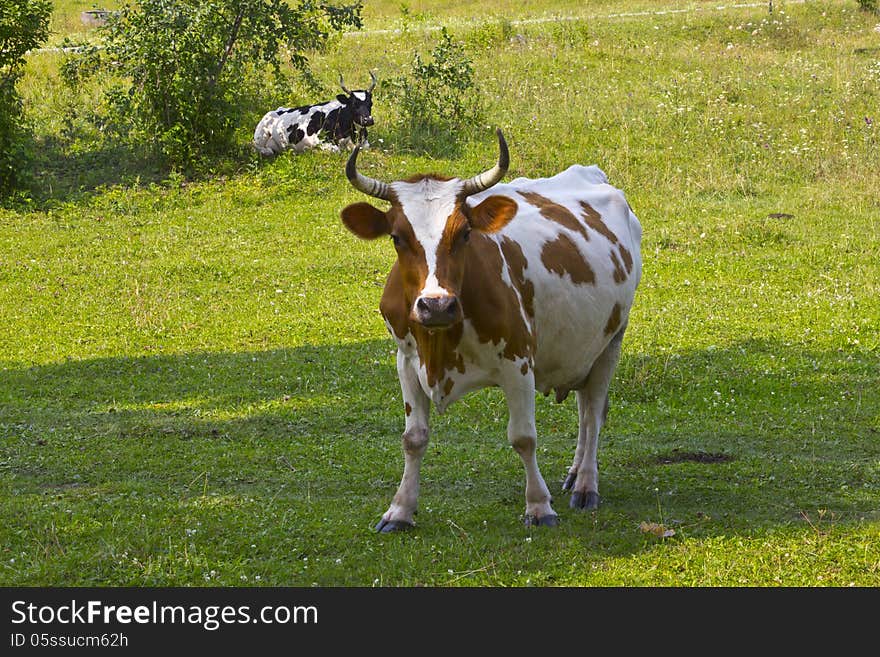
x,y
366,121
438,312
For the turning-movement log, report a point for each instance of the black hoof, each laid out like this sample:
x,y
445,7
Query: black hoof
x,y
569,481
543,521
586,501
388,526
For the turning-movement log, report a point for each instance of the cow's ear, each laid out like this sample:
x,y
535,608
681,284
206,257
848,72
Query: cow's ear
x,y
342,98
365,221
493,214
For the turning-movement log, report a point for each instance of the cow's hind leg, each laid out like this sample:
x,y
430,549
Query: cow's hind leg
x,y
523,438
592,398
415,441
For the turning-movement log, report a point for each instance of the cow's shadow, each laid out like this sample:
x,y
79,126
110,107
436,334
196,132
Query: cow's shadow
x,y
319,426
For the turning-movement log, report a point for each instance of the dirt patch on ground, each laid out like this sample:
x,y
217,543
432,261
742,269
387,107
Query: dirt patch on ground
x,y
694,457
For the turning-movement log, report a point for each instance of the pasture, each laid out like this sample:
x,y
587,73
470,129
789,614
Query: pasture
x,y
196,387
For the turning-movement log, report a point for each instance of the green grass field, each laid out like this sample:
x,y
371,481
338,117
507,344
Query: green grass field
x,y
196,387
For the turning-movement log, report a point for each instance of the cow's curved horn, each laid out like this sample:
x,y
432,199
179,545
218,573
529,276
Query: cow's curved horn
x,y
369,186
373,85
342,84
491,176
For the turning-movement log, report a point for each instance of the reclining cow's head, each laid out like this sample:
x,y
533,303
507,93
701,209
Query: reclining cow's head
x,y
430,224
359,102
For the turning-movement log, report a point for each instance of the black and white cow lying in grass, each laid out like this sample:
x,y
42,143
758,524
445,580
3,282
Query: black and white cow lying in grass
x,y
341,122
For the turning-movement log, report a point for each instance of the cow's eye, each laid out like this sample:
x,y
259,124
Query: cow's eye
x,y
395,239
461,238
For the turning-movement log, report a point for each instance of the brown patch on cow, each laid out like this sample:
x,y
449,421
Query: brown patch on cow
x,y
453,239
613,321
619,271
594,221
451,255
555,212
456,225
561,256
447,387
408,409
517,263
438,351
419,177
524,369
626,257
492,306
393,304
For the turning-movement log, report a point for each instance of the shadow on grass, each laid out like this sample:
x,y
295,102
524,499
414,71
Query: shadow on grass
x,y
61,172
782,429
754,400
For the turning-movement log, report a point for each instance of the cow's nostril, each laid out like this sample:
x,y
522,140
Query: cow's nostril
x,y
451,305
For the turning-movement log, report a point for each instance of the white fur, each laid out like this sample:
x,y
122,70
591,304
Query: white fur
x,y
428,204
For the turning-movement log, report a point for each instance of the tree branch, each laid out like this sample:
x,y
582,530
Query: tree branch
x,y
230,42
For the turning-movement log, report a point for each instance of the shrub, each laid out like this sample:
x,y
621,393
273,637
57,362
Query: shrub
x,y
438,101
186,68
24,24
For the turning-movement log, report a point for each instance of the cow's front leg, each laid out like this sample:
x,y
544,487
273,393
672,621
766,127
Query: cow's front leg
x,y
523,438
415,441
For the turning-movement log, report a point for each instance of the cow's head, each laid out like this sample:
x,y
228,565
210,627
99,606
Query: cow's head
x,y
359,102
430,224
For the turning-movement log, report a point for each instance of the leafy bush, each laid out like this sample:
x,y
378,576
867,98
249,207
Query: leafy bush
x,y
185,69
438,101
869,5
24,24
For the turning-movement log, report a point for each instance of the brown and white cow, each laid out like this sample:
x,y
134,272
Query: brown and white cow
x,y
526,285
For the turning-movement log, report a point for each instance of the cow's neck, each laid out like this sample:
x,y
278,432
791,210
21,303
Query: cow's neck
x,y
343,126
438,351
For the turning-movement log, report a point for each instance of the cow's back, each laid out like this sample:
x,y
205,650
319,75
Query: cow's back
x,y
579,267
